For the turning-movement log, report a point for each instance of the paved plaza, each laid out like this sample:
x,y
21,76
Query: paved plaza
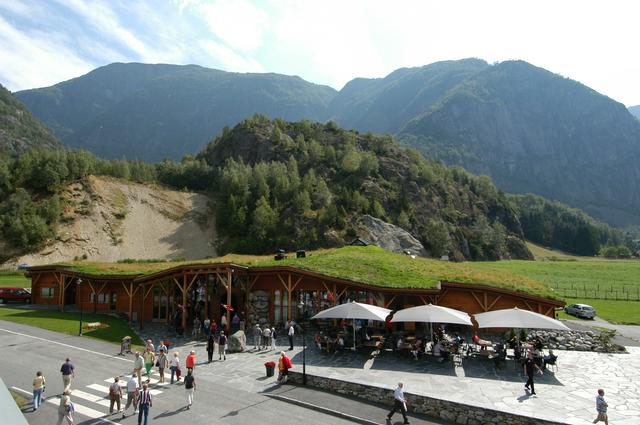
x,y
567,394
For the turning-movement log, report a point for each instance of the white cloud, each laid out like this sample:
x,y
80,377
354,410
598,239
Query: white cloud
x,y
36,59
240,24
216,53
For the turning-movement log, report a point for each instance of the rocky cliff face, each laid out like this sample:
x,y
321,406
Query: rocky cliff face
x,y
389,236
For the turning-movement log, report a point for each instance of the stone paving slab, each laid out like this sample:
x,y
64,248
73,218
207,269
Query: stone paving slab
x,y
567,394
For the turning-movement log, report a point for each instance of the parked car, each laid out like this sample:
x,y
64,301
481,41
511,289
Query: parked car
x,y
583,311
14,295
23,266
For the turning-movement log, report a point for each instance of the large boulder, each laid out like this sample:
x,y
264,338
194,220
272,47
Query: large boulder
x,y
389,236
237,342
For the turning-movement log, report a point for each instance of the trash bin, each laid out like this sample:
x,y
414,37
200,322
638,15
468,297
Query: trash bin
x,y
270,367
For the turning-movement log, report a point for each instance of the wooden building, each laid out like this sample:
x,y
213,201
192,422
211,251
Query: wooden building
x,y
272,294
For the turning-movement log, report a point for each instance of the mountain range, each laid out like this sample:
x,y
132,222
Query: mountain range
x,y
530,130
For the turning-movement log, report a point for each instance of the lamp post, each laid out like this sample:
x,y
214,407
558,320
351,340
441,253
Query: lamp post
x,y
304,350
78,282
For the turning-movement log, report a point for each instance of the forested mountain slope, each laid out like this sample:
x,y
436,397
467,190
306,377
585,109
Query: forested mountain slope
x,y
534,131
306,185
19,130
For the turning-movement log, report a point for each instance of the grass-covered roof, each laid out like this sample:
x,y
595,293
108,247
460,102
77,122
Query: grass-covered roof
x,y
370,265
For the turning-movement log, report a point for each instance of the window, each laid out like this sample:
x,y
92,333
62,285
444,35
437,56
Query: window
x,y
103,298
47,292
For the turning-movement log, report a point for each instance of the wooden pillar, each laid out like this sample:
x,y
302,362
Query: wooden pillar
x,y
228,297
206,299
130,302
141,321
184,303
289,290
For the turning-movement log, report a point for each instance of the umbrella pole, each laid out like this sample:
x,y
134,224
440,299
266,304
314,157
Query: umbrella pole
x,y
354,334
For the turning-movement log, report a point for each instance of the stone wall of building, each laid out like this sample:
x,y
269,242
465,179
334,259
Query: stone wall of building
x,y
458,413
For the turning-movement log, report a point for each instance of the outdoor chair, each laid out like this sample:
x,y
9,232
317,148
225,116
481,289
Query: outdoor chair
x,y
553,362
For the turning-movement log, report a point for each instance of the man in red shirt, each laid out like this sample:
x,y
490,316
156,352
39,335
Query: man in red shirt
x,y
190,362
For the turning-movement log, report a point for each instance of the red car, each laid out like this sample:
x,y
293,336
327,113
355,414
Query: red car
x,y
14,294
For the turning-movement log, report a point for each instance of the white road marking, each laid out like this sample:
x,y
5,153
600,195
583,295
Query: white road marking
x,y
90,397
83,410
67,345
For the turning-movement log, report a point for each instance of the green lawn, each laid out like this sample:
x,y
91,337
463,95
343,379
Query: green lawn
x,y
578,277
622,312
69,323
14,278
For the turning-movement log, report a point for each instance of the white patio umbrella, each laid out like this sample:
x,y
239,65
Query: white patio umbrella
x,y
432,314
519,319
354,310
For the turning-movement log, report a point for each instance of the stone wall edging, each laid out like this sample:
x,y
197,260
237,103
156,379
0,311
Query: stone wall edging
x,y
459,413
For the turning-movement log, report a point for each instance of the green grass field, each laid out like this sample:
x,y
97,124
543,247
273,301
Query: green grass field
x,y
14,278
622,312
69,323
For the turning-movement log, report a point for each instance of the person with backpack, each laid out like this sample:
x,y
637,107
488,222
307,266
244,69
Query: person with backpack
x,y
222,346
190,386
162,363
115,395
66,408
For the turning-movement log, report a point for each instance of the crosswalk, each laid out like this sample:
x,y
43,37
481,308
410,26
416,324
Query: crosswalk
x,y
93,400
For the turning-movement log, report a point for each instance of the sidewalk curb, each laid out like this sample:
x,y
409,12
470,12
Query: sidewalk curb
x,y
322,409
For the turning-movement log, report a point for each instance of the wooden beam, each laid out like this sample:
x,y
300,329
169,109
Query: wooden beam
x,y
141,319
35,279
423,299
388,303
184,303
528,305
494,302
296,284
482,306
549,310
130,292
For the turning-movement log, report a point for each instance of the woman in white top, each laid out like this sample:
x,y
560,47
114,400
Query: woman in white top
x,y
175,365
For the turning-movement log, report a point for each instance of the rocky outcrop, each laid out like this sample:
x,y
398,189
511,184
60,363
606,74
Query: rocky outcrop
x,y
389,236
237,342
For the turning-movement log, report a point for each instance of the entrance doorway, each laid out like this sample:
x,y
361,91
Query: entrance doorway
x,y
160,304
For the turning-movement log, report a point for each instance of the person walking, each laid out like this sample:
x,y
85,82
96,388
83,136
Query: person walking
x,y
529,368
132,395
291,332
222,346
190,361
149,358
284,364
146,402
273,338
38,388
190,387
66,408
68,371
162,363
214,327
223,323
138,364
601,408
115,395
197,325
206,326
211,345
175,366
399,403
266,336
257,337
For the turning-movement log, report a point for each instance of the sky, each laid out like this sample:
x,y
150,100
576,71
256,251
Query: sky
x,y
43,42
